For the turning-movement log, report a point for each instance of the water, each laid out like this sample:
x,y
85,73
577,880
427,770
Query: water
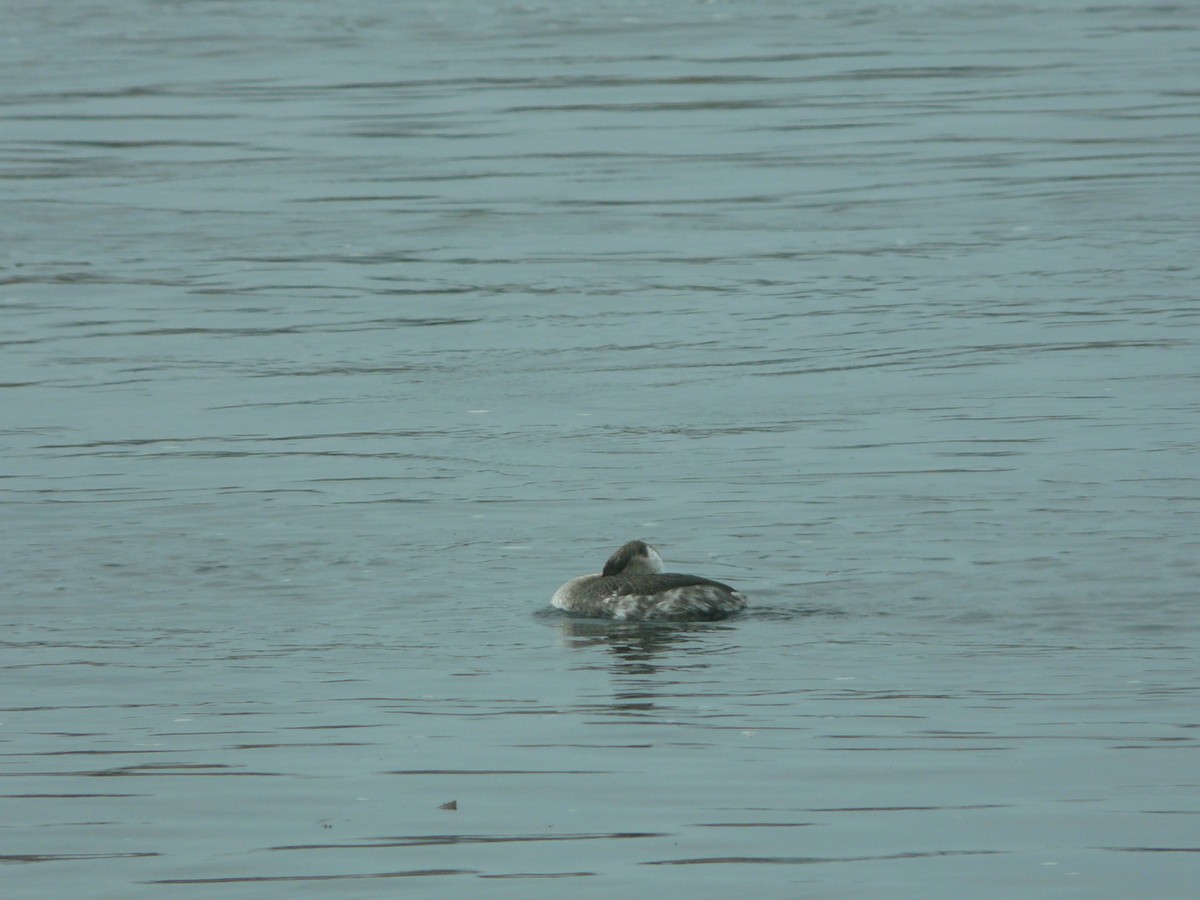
x,y
336,338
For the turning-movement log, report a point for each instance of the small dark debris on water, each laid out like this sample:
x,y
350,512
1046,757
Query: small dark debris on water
x,y
453,804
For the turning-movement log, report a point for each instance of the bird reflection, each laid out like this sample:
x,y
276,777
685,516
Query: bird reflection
x,y
640,648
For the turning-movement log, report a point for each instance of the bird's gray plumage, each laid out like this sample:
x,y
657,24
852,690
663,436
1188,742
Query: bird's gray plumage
x,y
633,586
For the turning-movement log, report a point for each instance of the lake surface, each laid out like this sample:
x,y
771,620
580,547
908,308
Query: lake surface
x,y
336,336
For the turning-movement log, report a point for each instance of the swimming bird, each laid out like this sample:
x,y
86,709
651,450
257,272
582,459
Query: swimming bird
x,y
633,586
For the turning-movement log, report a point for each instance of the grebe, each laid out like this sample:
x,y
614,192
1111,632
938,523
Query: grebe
x,y
633,585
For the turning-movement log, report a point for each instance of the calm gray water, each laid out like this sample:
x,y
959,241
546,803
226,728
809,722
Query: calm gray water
x,y
337,335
